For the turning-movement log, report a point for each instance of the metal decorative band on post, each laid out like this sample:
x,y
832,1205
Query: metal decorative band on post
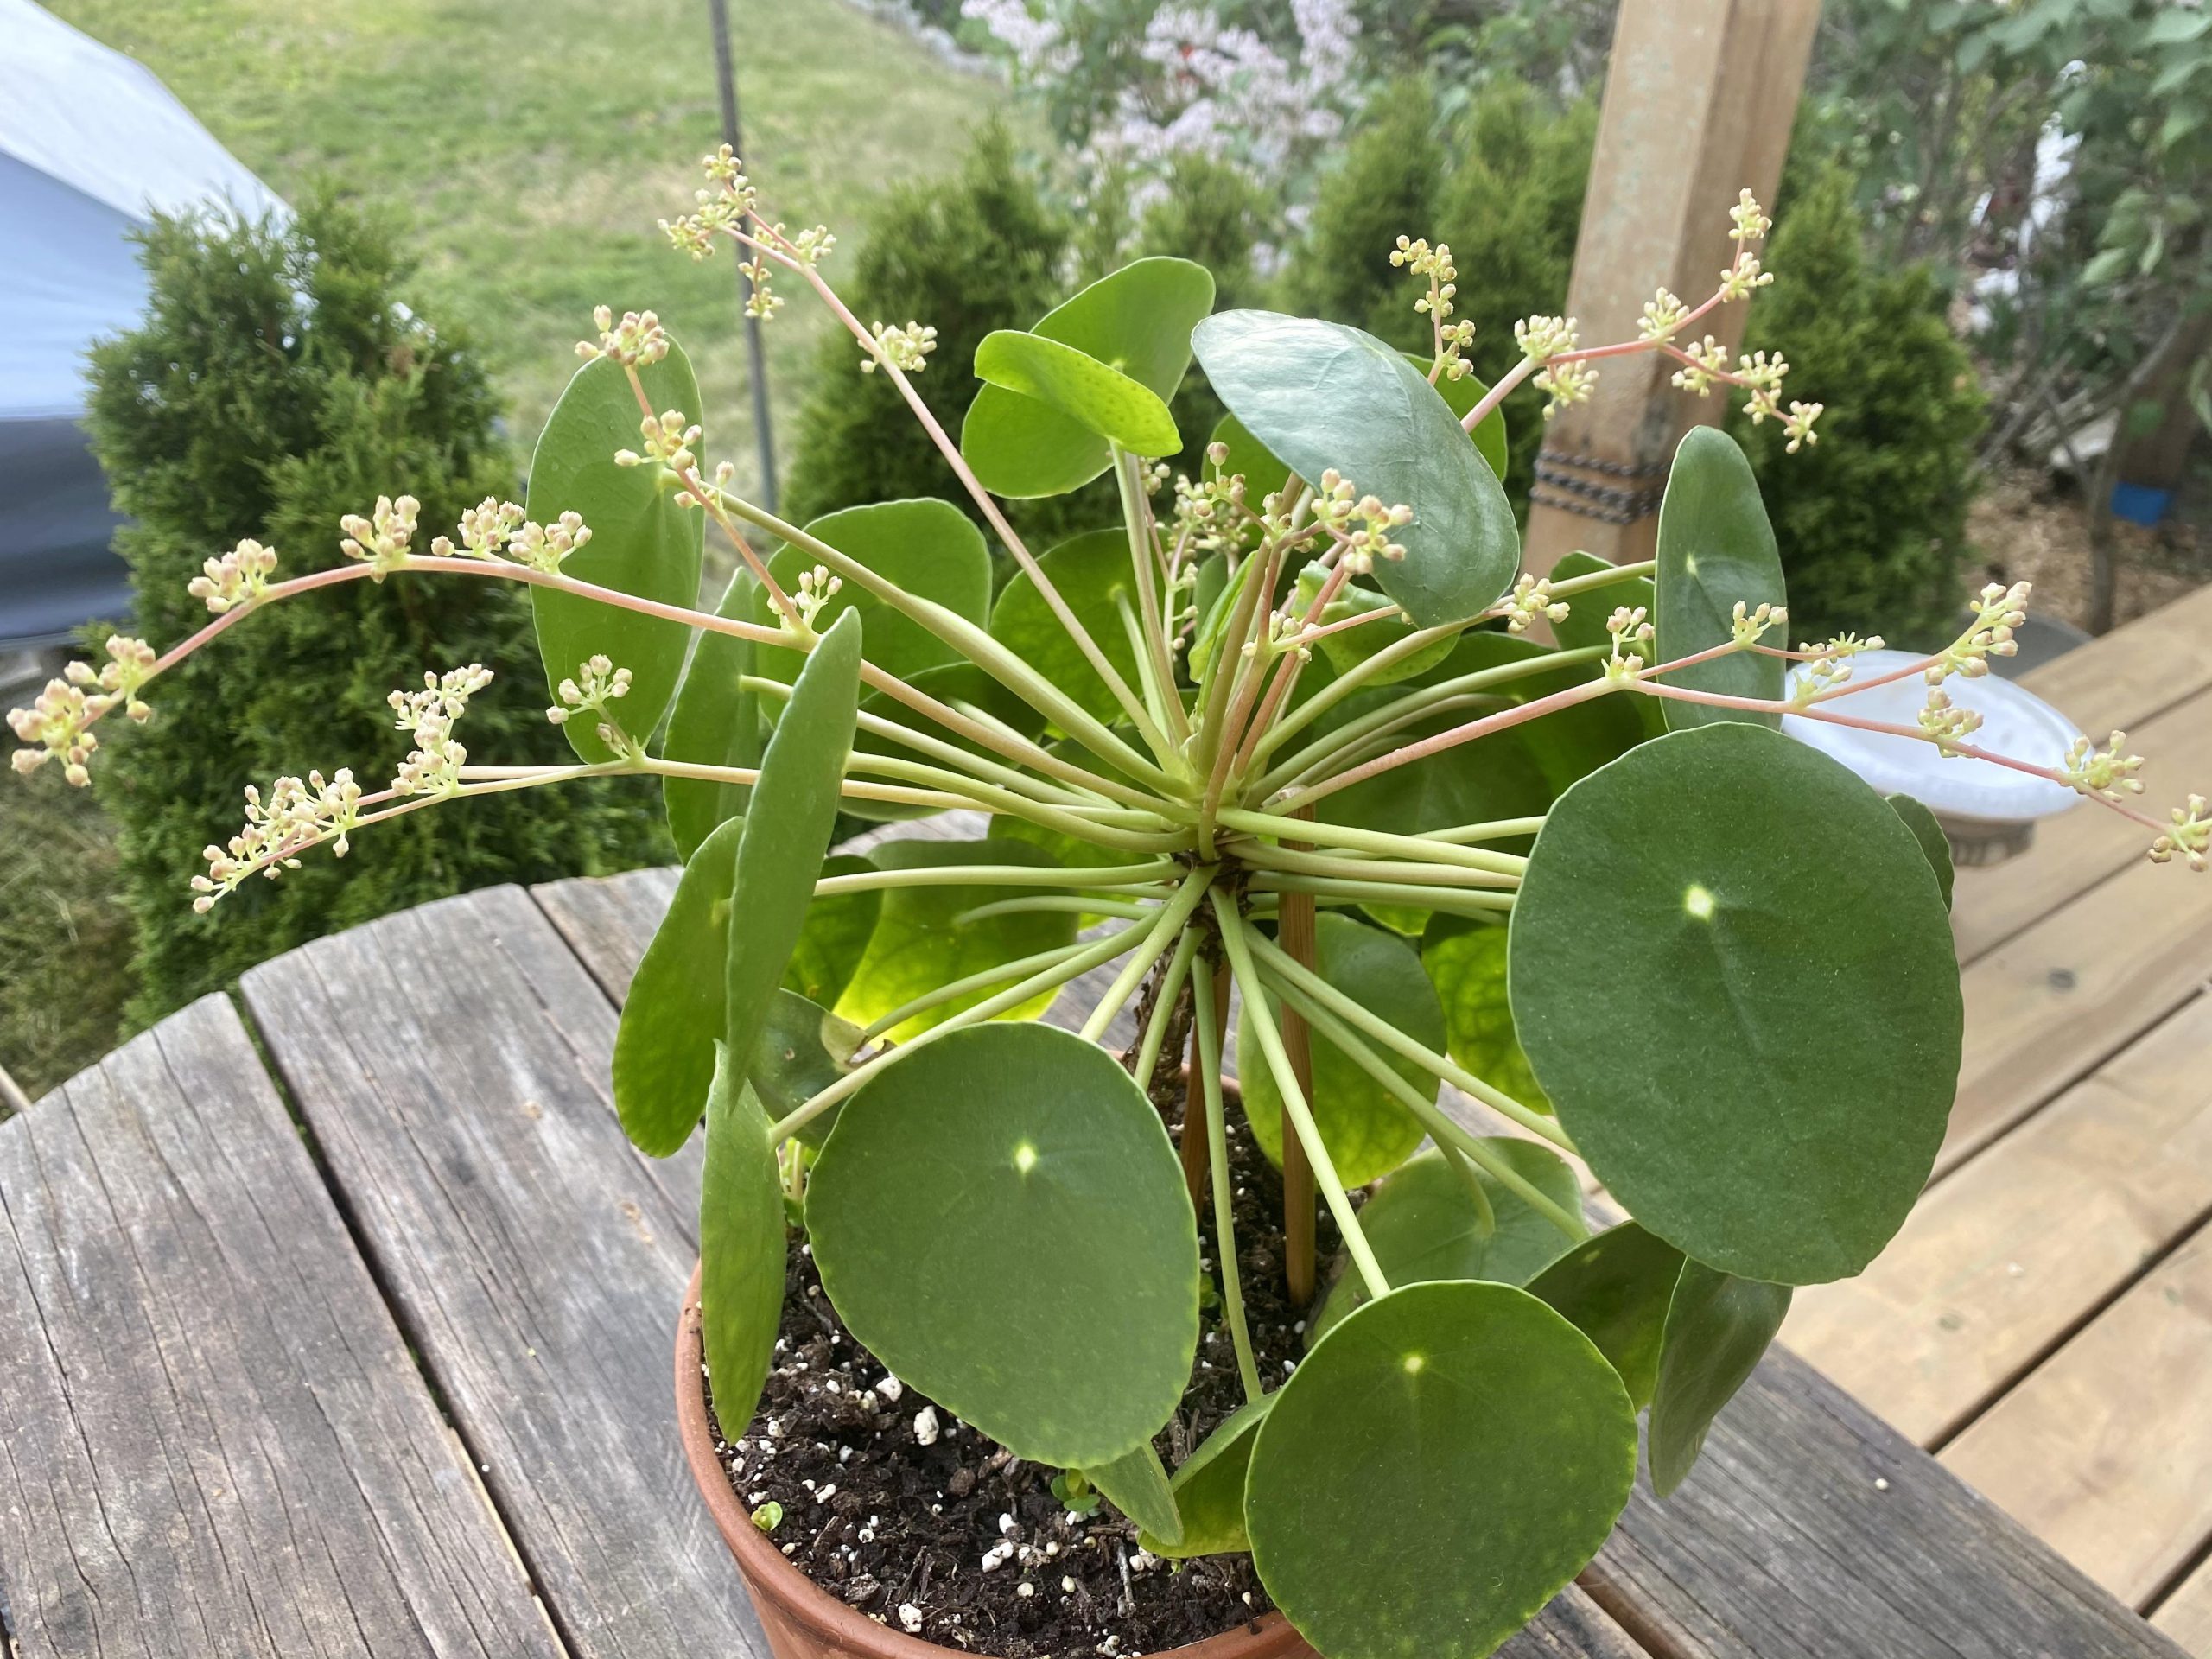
x,y
1570,493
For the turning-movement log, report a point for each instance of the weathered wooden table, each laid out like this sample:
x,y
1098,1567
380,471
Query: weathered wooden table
x,y
336,1319
2044,1322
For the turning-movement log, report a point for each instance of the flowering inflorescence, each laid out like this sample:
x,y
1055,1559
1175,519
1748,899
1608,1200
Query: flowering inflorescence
x,y
381,540
433,767
1998,610
54,728
2105,773
815,588
1630,629
1359,524
2189,835
728,201
498,530
1452,339
668,438
296,815
1748,626
906,349
638,338
597,683
1532,598
238,577
1662,315
1828,667
1210,513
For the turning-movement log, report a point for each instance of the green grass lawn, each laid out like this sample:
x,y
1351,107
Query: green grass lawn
x,y
535,146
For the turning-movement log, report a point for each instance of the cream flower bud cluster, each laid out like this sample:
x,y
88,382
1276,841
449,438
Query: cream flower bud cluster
x,y
815,588
1540,340
497,529
728,201
1749,626
668,440
637,338
1359,524
2189,837
1452,339
1629,628
1662,315
433,767
905,349
1530,599
296,815
2106,773
380,540
1945,722
597,683
1209,514
1829,667
238,575
1998,610
53,728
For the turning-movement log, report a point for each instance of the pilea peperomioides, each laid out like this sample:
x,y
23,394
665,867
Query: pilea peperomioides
x,y
1283,728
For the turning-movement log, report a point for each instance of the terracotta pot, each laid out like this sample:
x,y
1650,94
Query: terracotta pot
x,y
805,1622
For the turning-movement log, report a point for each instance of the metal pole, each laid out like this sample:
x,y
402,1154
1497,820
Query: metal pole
x,y
763,433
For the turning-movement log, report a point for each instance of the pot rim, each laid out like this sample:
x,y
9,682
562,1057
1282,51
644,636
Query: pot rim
x,y
830,1620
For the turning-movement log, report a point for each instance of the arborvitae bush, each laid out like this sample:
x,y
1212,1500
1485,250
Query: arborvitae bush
x,y
1872,521
1504,190
277,373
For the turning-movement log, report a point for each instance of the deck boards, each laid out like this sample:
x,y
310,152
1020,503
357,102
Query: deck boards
x,y
213,1442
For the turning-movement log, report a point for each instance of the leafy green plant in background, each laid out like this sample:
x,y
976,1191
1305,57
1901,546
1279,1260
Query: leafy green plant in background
x,y
278,369
1873,523
1278,727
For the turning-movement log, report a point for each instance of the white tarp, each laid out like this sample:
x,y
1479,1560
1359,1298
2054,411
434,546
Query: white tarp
x,y
91,144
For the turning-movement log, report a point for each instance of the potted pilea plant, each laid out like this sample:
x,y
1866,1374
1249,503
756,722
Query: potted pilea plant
x,y
1051,1360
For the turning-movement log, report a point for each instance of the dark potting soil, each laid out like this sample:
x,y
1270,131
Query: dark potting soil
x,y
903,1512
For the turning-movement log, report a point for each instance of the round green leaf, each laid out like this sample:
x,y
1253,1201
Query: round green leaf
x,y
1466,963
642,543
672,1019
1715,548
928,548
1139,1487
741,1246
1733,975
1717,1327
1439,1468
803,1049
1138,321
1461,396
1614,1289
1209,1489
1368,1130
716,722
1092,573
1424,1224
918,943
787,829
1000,1216
1102,400
1318,395
1930,834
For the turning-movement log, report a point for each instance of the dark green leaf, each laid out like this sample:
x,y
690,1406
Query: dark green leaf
x,y
1092,573
1462,395
1424,1224
1466,964
787,830
642,543
1318,395
1733,975
803,1049
672,1018
1368,1131
1139,1488
1715,548
716,722
1717,1327
1930,834
1440,1467
1209,1489
1614,1289
740,1247
1000,1216
838,928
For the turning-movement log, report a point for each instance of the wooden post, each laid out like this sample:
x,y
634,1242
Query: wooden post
x,y
1698,106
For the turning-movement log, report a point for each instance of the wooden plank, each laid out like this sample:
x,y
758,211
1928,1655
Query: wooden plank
x,y
2010,1253
2051,1005
452,1063
212,1440
2086,845
2106,1452
1811,1530
2186,1616
2133,672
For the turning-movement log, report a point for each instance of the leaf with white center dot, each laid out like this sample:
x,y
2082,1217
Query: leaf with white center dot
x,y
1717,1327
672,1019
923,938
1319,395
1209,1489
1092,573
803,1049
1715,548
1440,1466
1137,322
1731,972
642,543
787,829
1930,834
1615,1288
741,1246
1001,1217
1367,1130
1139,1488
1423,1224
716,722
